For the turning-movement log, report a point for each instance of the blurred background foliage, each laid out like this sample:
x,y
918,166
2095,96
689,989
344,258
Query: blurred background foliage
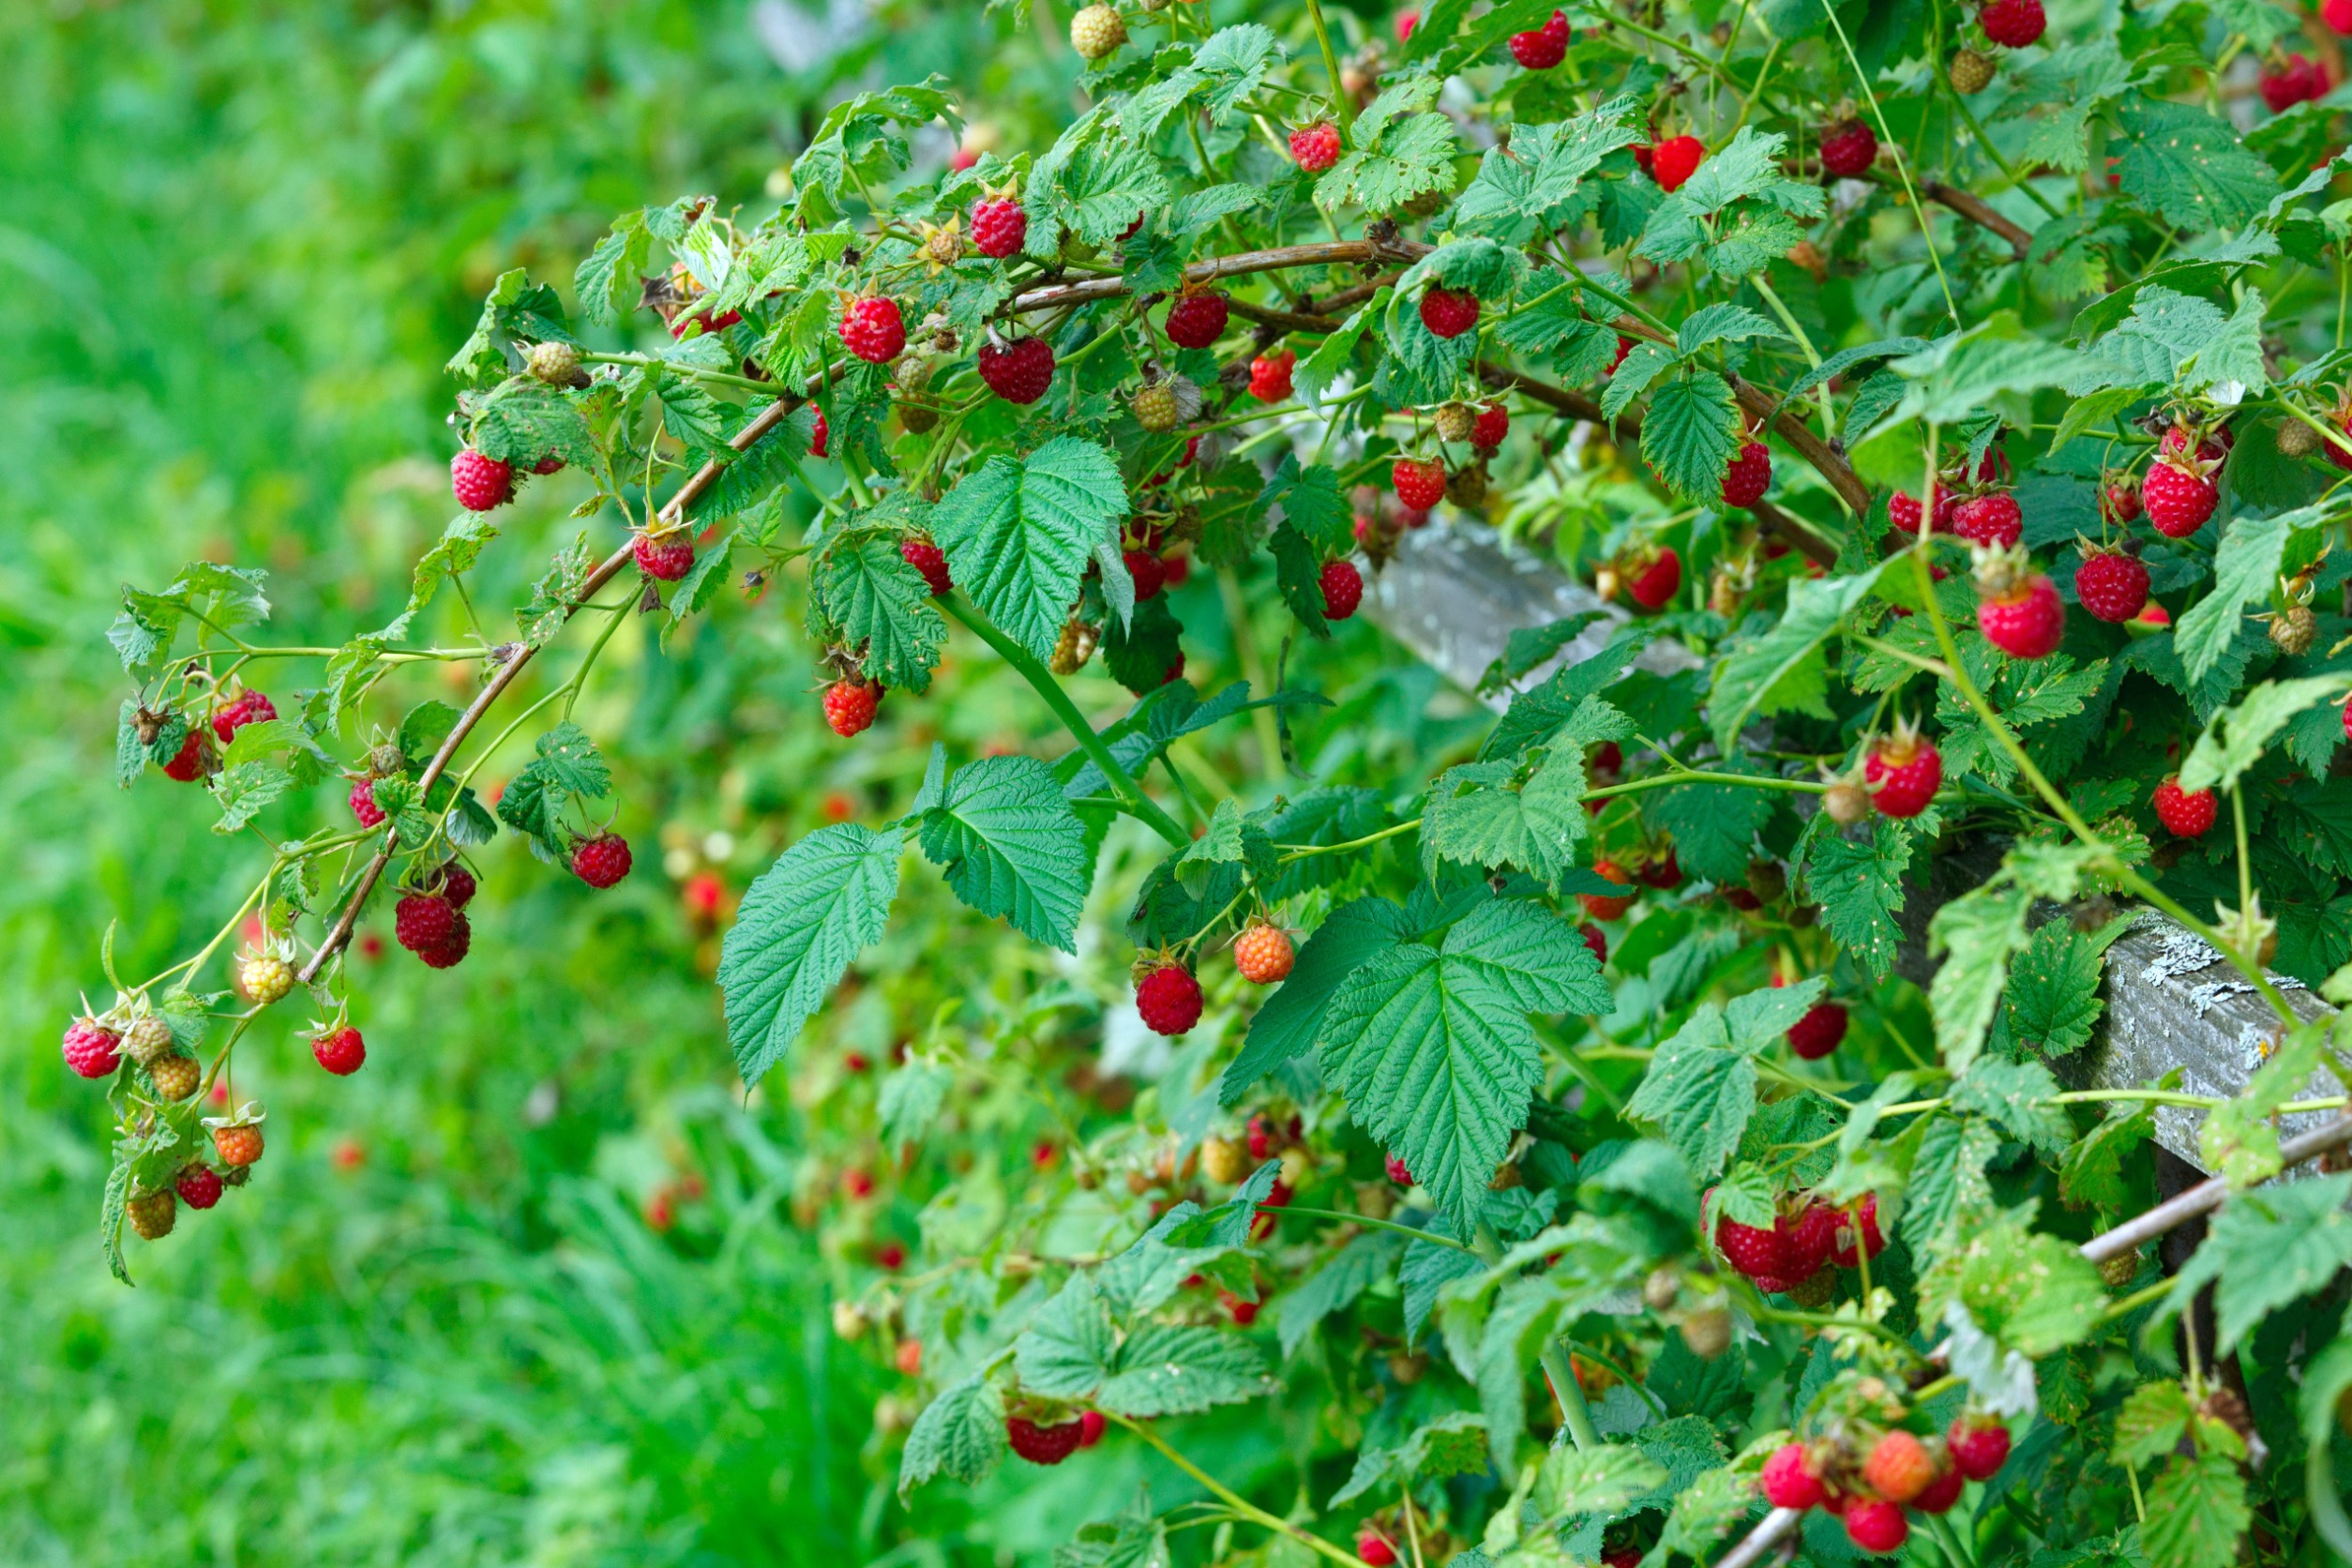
x,y
536,1286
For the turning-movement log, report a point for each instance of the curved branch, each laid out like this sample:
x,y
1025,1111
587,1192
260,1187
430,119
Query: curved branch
x,y
1344,252
607,569
1975,209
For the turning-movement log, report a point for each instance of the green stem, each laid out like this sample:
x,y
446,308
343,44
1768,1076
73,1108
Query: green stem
x,y
2125,1307
652,361
1829,414
1142,807
1429,1236
1969,119
1556,1370
1341,104
1696,776
1303,851
1234,1500
1901,166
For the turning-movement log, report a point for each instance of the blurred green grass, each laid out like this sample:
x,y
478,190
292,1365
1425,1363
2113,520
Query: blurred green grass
x,y
241,238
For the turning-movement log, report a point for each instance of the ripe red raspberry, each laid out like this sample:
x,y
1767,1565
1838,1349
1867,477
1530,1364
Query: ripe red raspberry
x,y
1406,20
1806,1240
1872,1524
2337,14
480,483
457,885
1749,475
363,802
2185,813
1492,424
2110,585
250,707
1596,941
2291,85
199,1185
1042,1445
1419,485
1817,1034
1789,1480
2179,500
1544,46
1374,1550
452,950
601,860
1848,148
1663,871
873,329
666,557
1149,571
850,706
2120,500
1449,313
820,436
1092,1425
1655,584
1989,519
1755,1252
1242,1313
1343,589
188,765
238,1144
1676,160
1397,1173
1979,1447
340,1051
1265,1140
2012,24
1316,147
999,226
1263,954
2026,620
554,465
1941,1493
1904,511
1904,772
1899,1467
1197,319
1270,376
1170,1000
423,921
91,1049
1609,906
1019,371
928,559
1624,347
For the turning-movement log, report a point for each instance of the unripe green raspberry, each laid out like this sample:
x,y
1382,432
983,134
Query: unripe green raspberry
x,y
175,1076
153,1212
1155,407
265,977
1971,72
147,1039
1456,421
1096,31
557,364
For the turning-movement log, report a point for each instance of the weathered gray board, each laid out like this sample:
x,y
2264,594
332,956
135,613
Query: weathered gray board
x,y
1454,594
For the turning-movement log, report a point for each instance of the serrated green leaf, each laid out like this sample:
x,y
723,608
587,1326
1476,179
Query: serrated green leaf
x,y
1713,826
2245,569
960,1433
2234,740
2034,1294
883,609
1019,535
1010,846
2187,166
1350,937
1698,1093
524,420
1177,1369
1779,671
1976,933
1859,888
2268,1246
1946,1181
801,923
1454,1444
1432,1048
1691,434
1533,824
2198,1514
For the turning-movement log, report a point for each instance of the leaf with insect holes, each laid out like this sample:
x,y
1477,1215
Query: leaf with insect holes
x,y
960,1434
1431,1046
808,915
526,420
1859,888
2034,1294
567,767
1535,184
1691,434
1393,153
1011,846
2188,166
1019,533
1698,1093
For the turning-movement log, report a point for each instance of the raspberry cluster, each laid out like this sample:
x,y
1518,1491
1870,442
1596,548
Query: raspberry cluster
x,y
1870,1478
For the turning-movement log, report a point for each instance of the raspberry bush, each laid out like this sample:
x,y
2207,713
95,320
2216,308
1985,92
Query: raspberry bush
x,y
1588,1182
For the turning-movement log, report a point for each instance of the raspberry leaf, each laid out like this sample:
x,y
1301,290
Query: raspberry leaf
x,y
1698,1093
1713,826
2233,742
1287,1025
1487,814
1011,846
1311,504
2188,166
1948,1183
2033,1293
1018,533
1364,1262
883,607
1069,1345
1691,432
960,1434
1432,1048
1529,188
2245,568
608,279
808,915
2197,1513
1859,888
701,585
1453,1444
1175,1370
